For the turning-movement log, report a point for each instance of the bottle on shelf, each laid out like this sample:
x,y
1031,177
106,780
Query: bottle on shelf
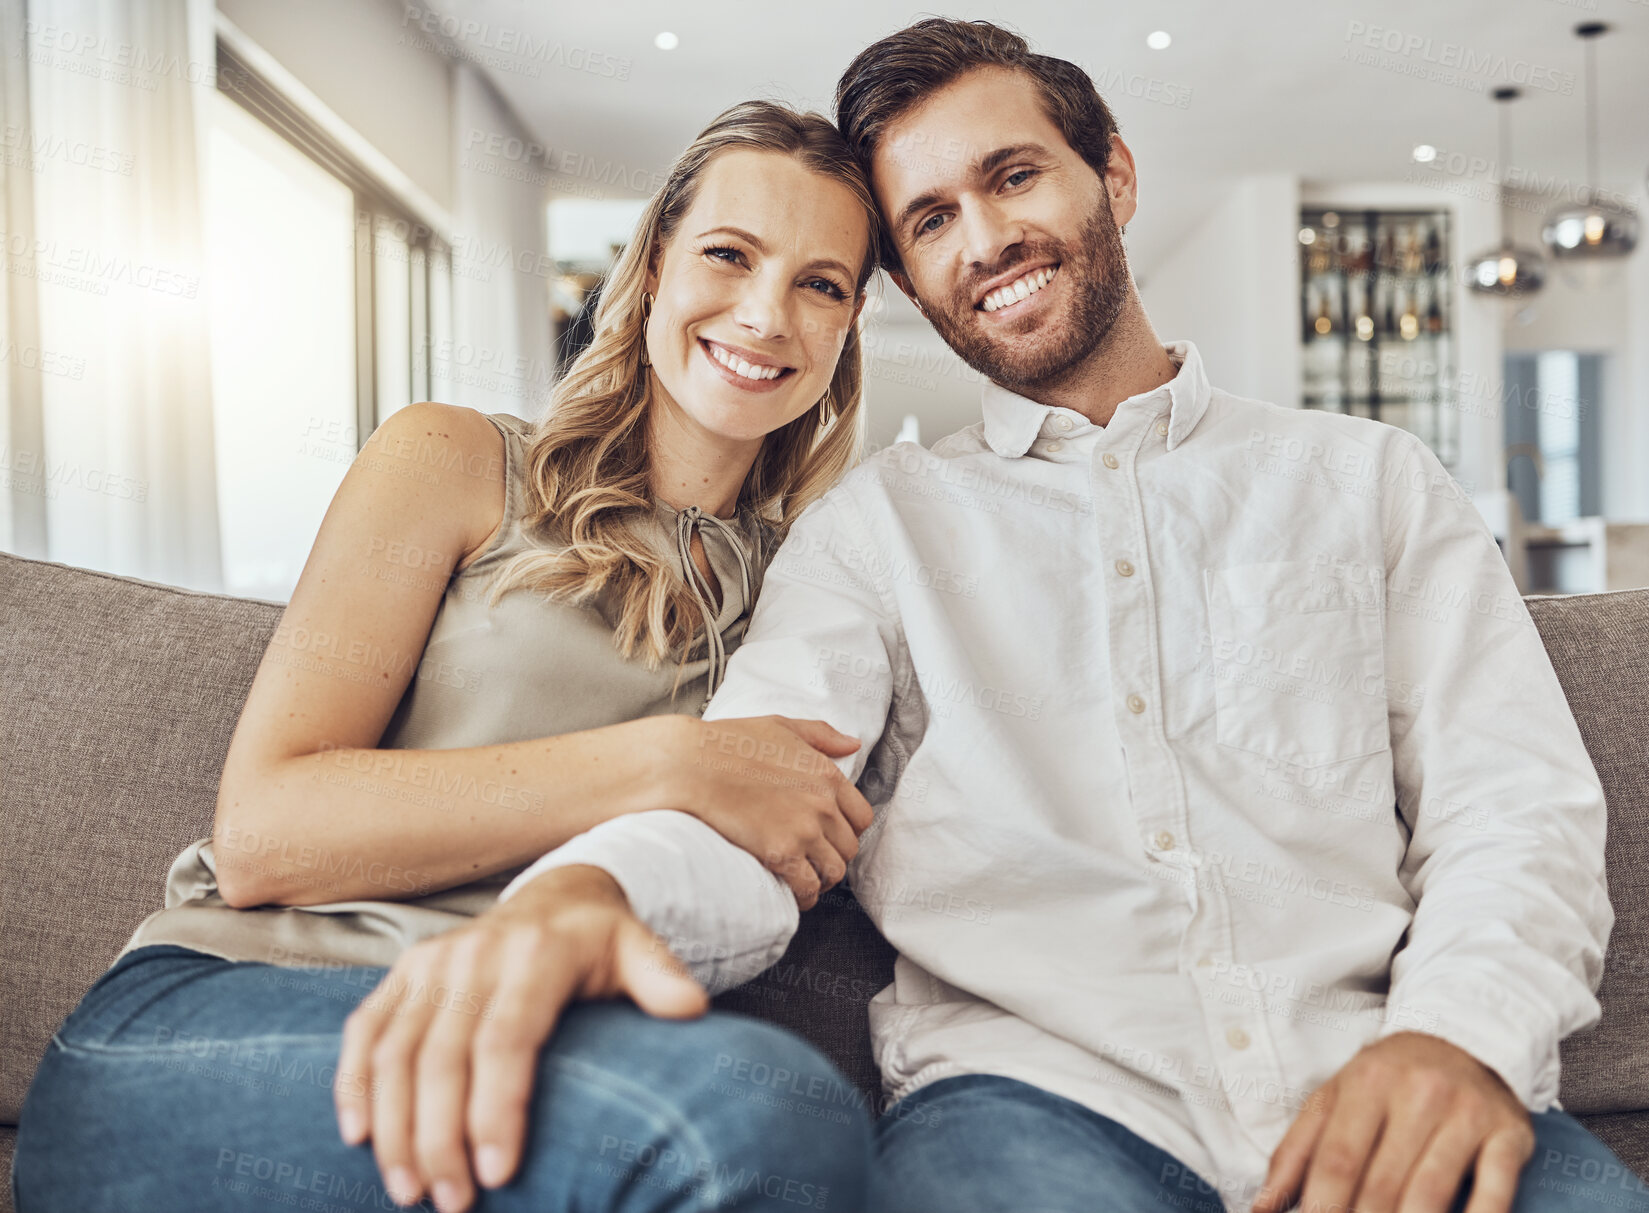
x,y
1408,322
1434,250
1356,254
1323,325
1434,313
1363,322
1411,250
1388,324
1384,261
1318,255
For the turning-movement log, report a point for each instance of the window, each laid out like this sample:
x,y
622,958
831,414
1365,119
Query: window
x,y
280,239
327,295
1551,429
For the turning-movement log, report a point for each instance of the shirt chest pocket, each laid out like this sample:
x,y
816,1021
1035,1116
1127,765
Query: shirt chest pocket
x,y
1298,659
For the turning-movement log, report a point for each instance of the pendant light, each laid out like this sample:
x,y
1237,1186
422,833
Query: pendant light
x,y
1509,271
1591,230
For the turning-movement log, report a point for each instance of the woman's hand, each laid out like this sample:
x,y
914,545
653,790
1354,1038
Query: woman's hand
x,y
767,784
438,1062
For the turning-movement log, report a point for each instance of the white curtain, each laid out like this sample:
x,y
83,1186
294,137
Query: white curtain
x,y
22,487
110,286
501,357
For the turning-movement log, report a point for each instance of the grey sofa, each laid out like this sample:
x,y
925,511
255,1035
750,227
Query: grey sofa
x,y
118,698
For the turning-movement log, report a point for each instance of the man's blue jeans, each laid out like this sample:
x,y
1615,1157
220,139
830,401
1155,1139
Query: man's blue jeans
x,y
981,1143
184,1082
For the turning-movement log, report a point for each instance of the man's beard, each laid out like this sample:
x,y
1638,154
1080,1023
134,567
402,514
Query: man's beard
x,y
1095,274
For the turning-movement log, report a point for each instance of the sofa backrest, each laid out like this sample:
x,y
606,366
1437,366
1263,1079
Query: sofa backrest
x,y
1599,646
117,701
118,698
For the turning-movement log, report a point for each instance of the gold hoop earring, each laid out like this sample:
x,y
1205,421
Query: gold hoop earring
x,y
824,409
646,313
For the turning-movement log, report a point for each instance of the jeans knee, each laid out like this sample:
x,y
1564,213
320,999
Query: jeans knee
x,y
752,1116
792,1112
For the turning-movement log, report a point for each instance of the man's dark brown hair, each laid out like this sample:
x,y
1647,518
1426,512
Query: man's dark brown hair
x,y
891,77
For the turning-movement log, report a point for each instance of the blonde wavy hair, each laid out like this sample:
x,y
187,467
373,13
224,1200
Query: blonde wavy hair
x,y
589,494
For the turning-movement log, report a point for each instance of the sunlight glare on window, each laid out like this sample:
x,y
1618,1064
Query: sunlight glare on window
x,y
281,267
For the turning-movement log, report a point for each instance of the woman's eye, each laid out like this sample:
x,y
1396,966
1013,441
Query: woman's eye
x,y
826,287
731,256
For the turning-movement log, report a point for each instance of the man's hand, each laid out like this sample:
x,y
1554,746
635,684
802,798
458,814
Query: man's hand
x,y
438,1062
1398,1130
767,784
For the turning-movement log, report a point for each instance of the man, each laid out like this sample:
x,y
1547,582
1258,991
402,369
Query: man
x,y
1140,670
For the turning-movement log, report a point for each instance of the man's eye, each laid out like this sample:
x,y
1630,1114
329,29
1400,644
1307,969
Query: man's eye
x,y
931,224
1020,177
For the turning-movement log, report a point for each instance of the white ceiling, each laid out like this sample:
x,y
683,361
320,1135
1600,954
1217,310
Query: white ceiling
x,y
1271,88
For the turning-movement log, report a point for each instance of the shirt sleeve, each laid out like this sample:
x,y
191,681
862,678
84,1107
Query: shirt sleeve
x,y
818,646
1504,808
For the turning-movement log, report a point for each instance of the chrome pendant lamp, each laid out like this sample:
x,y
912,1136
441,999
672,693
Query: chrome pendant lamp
x,y
1595,229
1510,271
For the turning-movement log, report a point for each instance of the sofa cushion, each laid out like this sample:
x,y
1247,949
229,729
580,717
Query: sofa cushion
x,y
821,987
1599,645
1627,1134
117,701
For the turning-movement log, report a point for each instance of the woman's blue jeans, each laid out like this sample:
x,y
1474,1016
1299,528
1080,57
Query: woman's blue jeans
x,y
185,1082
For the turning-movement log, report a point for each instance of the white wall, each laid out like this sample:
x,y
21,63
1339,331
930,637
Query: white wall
x,y
910,370
1232,288
501,358
368,61
1626,435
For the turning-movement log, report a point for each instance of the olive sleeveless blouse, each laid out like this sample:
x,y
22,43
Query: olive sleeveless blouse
x,y
528,667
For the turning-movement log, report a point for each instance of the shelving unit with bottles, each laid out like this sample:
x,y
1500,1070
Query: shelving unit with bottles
x,y
1377,319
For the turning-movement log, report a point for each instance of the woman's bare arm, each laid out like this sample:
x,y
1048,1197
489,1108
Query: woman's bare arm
x,y
309,810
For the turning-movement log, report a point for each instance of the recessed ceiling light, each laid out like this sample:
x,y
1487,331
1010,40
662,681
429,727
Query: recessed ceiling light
x,y
1159,40
667,41
1425,153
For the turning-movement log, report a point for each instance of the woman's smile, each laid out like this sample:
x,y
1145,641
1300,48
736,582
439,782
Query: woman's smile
x,y
743,369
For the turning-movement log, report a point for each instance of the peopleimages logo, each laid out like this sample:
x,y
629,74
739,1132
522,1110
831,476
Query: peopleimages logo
x,y
1445,62
475,36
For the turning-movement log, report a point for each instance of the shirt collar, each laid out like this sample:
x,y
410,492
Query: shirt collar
x,y
1012,422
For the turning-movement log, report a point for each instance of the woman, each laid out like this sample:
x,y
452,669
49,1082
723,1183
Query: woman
x,y
503,636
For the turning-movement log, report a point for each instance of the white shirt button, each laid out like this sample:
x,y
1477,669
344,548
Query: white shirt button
x,y
1236,1038
1163,840
1126,569
1062,423
1110,460
1053,445
1162,427
1136,705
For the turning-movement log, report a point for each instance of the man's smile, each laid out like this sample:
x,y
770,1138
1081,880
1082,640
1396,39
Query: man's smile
x,y
1007,296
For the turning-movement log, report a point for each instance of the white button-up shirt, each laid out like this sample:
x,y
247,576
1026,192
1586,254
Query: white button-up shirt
x,y
1206,747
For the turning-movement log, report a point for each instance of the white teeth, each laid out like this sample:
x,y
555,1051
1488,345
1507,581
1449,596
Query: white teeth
x,y
742,368
1023,288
